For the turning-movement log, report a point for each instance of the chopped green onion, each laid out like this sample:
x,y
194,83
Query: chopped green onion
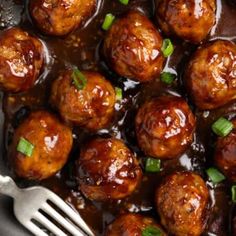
x,y
153,165
25,147
119,94
107,23
233,191
222,127
167,77
215,175
167,47
79,79
125,2
151,231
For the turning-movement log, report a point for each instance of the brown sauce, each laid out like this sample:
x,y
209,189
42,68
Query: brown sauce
x,y
81,48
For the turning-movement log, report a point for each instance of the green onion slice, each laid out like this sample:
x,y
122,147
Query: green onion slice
x,y
151,231
222,127
119,94
107,23
25,147
153,165
167,47
215,175
233,191
79,79
167,77
125,2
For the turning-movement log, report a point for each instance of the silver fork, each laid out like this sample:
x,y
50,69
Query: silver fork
x,y
29,203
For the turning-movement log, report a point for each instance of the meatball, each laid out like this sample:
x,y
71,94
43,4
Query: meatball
x,y
107,169
133,224
182,202
165,127
60,17
225,157
210,76
132,47
52,143
191,20
91,106
21,59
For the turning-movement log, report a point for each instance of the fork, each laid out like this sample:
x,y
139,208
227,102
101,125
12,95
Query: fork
x,y
32,204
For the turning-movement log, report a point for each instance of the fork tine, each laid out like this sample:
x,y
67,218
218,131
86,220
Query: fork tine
x,y
71,213
48,224
61,220
34,229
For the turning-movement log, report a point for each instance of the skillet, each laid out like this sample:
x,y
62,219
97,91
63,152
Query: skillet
x,y
61,52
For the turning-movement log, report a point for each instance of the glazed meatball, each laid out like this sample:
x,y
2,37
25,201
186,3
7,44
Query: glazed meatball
x,y
21,59
91,107
165,127
225,157
107,169
52,143
60,17
133,224
132,48
191,20
182,202
210,76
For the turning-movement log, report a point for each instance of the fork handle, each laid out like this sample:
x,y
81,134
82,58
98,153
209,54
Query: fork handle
x,y
8,186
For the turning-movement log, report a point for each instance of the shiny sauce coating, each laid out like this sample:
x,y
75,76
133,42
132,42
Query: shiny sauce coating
x,y
82,48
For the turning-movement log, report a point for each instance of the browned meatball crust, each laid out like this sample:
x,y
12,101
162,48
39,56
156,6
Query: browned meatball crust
x,y
165,127
91,107
107,169
132,224
132,47
225,154
21,59
60,17
182,202
210,76
191,20
52,144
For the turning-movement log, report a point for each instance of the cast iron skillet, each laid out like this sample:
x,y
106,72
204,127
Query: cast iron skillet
x,y
61,52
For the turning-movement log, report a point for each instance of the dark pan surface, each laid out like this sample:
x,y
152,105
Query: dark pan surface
x,y
65,51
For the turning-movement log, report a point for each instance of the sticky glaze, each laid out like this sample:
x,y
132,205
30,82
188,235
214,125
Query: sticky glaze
x,y
83,48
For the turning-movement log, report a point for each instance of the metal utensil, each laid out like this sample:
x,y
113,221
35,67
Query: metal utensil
x,y
36,206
